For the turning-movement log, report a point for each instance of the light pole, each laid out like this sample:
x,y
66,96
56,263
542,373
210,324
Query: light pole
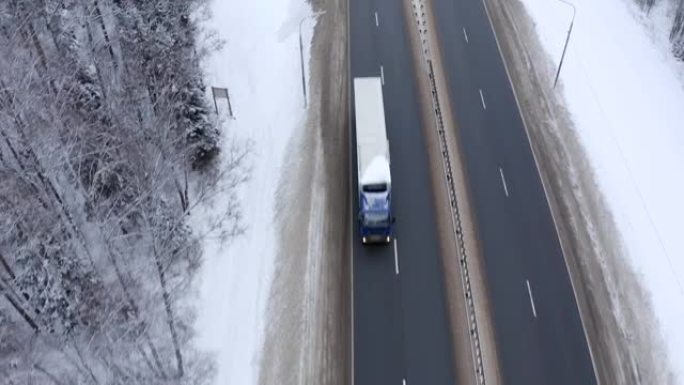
x,y
567,40
301,52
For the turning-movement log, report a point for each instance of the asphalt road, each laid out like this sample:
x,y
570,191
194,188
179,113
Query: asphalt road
x,y
537,324
400,324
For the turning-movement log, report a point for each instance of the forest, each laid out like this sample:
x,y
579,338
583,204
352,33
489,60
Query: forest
x,y
676,9
107,142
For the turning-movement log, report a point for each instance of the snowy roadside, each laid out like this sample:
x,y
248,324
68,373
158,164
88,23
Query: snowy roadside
x,y
259,63
610,138
625,98
307,335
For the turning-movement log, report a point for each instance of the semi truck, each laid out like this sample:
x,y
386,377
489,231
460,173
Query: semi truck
x,y
373,162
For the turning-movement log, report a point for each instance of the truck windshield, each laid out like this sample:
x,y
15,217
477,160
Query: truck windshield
x,y
379,219
376,187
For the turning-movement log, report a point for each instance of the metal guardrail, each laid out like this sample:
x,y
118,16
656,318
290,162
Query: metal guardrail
x,y
458,230
476,349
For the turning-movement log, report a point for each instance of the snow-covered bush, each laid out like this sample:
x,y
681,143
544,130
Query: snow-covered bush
x,y
676,18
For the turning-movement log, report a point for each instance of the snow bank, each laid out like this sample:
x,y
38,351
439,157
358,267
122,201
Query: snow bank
x,y
260,65
626,99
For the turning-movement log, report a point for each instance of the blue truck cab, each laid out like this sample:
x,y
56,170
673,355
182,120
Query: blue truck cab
x,y
375,214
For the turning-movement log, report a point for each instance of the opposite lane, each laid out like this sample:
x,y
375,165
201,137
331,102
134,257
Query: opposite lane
x,y
539,333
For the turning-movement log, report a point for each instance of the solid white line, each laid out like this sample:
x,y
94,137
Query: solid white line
x,y
396,258
351,265
503,181
377,22
465,34
382,74
482,99
351,208
529,291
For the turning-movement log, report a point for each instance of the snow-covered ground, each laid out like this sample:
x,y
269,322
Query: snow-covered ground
x,y
625,93
260,65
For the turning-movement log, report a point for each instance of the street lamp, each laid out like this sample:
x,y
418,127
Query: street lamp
x,y
301,51
567,40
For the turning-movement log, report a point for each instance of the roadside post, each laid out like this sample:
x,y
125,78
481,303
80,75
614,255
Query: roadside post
x,y
301,52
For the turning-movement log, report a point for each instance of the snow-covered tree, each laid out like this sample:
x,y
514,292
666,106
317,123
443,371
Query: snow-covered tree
x,y
677,32
106,145
676,12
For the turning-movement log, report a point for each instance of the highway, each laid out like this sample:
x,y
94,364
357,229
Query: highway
x,y
400,320
537,325
400,325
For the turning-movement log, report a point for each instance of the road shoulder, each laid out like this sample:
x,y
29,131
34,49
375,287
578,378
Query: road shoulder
x,y
307,339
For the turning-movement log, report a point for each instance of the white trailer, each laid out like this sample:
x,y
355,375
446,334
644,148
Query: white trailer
x,y
373,161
